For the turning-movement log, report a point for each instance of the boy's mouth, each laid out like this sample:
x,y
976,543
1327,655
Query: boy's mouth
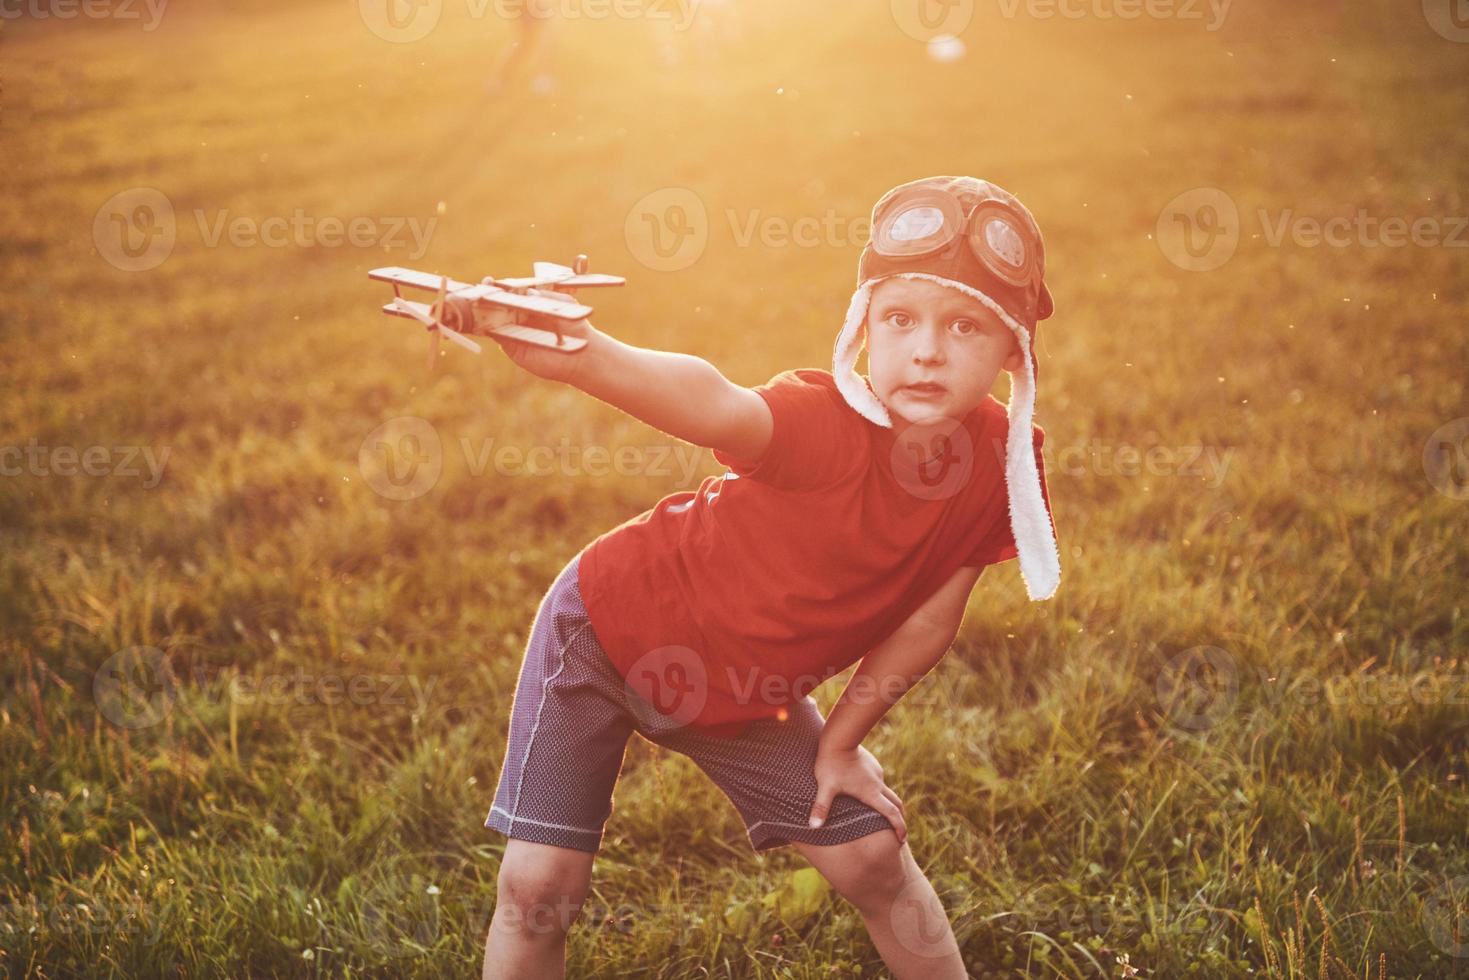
x,y
926,389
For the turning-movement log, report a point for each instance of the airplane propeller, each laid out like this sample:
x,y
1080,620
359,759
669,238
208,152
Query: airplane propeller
x,y
433,321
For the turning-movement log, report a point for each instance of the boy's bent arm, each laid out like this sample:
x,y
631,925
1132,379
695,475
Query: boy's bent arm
x,y
896,664
680,394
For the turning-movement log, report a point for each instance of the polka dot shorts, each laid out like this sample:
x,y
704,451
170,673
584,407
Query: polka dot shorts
x,y
569,726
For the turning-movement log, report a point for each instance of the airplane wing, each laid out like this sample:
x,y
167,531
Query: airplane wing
x,y
534,335
399,276
592,279
560,309
573,282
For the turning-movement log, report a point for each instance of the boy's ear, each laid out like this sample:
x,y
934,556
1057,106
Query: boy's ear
x,y
1014,361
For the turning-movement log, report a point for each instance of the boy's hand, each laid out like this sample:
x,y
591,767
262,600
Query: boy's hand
x,y
857,773
543,362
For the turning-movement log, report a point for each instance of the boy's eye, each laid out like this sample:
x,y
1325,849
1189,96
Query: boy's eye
x,y
967,326
900,319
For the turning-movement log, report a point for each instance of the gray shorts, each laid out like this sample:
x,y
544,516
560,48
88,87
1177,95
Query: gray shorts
x,y
569,727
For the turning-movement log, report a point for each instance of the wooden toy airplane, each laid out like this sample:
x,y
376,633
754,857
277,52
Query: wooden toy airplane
x,y
490,306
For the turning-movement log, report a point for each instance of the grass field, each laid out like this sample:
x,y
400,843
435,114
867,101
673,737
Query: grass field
x,y
1234,743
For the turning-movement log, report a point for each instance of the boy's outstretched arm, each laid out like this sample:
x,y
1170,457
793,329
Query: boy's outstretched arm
x,y
680,394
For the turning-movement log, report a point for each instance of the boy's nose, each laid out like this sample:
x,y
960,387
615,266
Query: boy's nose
x,y
927,349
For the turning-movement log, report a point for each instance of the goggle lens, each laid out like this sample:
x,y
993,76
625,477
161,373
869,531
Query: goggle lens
x,y
916,223
1003,239
997,243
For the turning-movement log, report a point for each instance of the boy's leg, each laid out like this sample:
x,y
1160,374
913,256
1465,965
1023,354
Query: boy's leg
x,y
540,891
564,750
768,773
903,914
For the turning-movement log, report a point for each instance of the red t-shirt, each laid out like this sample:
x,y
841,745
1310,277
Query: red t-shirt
x,y
720,605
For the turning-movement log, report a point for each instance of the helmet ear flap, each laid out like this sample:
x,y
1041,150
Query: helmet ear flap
x,y
854,388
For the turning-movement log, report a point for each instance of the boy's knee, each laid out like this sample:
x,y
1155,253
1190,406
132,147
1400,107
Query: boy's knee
x,y
872,871
535,901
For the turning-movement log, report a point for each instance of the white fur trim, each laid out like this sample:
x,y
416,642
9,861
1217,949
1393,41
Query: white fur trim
x,y
844,360
1035,544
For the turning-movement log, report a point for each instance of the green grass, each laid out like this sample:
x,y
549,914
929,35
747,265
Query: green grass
x,y
1072,820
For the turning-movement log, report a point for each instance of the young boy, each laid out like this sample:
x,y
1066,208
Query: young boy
x,y
853,522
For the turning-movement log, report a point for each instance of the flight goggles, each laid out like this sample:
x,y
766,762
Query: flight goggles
x,y
988,244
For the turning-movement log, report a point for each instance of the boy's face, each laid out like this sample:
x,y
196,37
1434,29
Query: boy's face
x,y
920,331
